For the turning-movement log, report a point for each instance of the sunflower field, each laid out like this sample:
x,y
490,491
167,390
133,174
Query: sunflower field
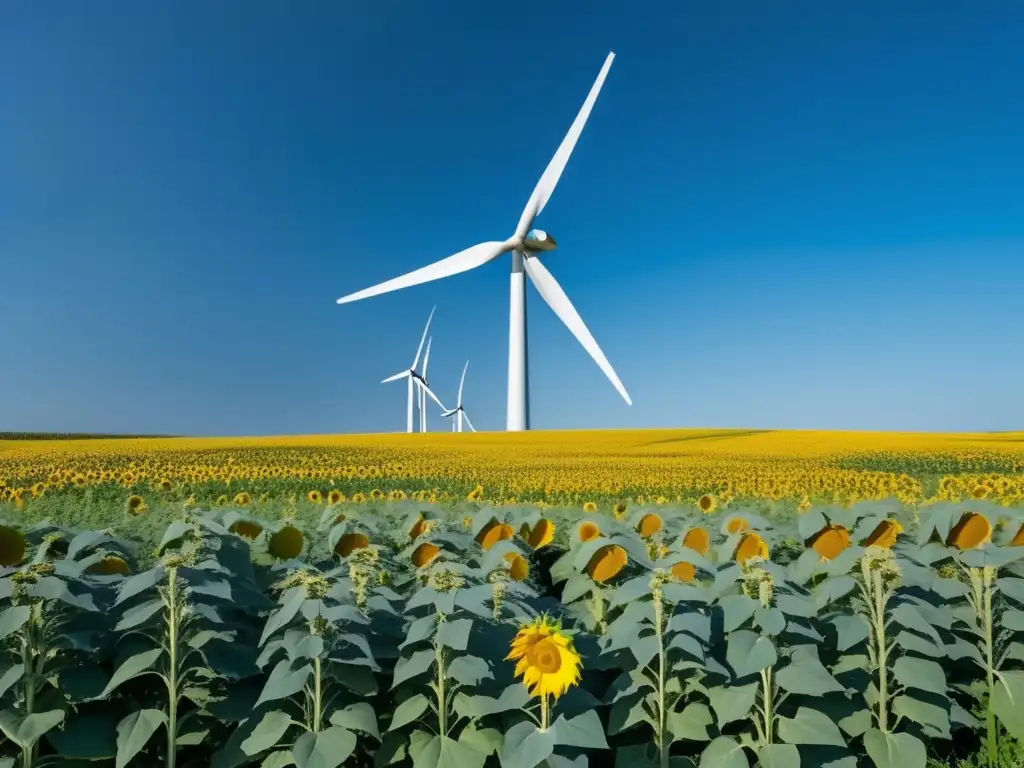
x,y
715,599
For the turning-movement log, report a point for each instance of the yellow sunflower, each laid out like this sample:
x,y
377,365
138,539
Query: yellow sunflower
x,y
590,507
545,658
286,543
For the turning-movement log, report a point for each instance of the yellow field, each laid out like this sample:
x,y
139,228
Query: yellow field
x,y
555,467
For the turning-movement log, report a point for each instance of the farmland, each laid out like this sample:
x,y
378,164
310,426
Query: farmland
x,y
713,598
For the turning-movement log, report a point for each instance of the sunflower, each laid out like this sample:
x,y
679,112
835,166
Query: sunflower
x,y
350,542
830,541
518,568
736,525
136,504
590,507
425,554
649,525
884,535
221,500
376,494
972,531
684,571
619,510
545,659
698,540
314,497
476,494
165,484
492,533
542,533
12,546
751,545
588,530
1018,539
707,503
418,528
358,497
607,562
335,496
247,529
397,495
38,490
109,566
286,543
242,499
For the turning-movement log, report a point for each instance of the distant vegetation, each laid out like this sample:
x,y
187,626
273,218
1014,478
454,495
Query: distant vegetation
x,y
69,436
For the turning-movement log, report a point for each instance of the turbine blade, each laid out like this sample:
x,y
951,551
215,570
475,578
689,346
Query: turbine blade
x,y
446,414
462,261
464,416
425,329
555,297
426,358
549,179
396,377
462,381
429,391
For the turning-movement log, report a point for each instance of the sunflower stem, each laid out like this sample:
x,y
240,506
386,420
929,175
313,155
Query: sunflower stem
x,y
883,652
442,704
659,630
544,712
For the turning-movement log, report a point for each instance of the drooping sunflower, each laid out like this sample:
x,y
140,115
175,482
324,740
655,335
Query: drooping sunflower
x,y
350,542
830,541
518,568
884,535
684,571
418,528
588,530
649,525
698,540
972,531
109,566
607,562
247,529
751,545
542,533
492,533
545,658
12,546
286,543
425,554
736,524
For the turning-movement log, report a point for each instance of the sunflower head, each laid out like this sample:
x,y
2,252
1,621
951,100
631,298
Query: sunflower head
x,y
425,554
12,546
542,533
247,529
707,503
649,525
545,658
736,524
607,562
884,535
518,568
313,496
587,530
590,507
286,543
750,546
110,565
830,541
350,542
335,496
698,540
418,528
494,532
136,504
972,531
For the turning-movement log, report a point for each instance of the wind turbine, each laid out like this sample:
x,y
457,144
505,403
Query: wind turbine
x,y
459,412
413,379
421,380
524,245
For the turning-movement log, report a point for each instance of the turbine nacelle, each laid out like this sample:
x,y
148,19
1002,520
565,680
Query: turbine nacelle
x,y
539,240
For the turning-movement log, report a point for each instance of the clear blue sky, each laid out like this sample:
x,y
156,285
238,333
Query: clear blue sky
x,y
785,214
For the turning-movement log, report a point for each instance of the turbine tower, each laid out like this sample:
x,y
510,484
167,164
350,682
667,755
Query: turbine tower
x,y
413,379
423,388
458,411
525,245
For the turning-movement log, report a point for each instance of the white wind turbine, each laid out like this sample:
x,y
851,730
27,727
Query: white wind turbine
x,y
458,411
524,245
413,379
421,381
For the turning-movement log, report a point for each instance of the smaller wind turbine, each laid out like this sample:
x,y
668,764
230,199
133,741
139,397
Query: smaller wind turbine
x,y
424,389
458,411
413,378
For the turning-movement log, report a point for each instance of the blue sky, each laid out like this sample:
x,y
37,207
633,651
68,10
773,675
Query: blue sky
x,y
792,215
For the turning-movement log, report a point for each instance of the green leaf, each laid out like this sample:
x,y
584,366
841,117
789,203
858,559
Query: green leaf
x,y
284,681
271,728
723,752
13,619
469,670
526,746
487,741
921,674
895,750
411,666
280,759
631,590
443,752
736,609
810,522
326,749
134,666
408,711
778,756
1008,702
26,731
909,617
419,629
810,726
584,731
455,634
931,716
748,653
806,675
771,620
86,736
290,605
692,724
357,717
10,676
139,583
731,703
134,731
139,614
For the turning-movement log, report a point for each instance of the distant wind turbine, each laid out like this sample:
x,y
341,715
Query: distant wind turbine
x,y
413,379
458,411
525,245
